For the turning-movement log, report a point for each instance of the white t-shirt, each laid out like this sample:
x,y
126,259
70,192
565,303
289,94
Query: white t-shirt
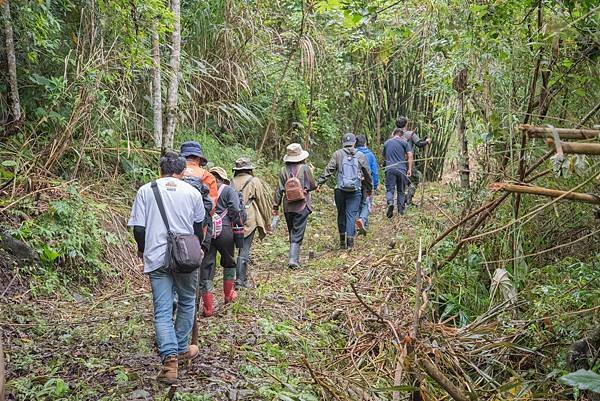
x,y
183,207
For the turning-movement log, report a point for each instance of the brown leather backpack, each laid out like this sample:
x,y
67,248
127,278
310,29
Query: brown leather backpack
x,y
294,191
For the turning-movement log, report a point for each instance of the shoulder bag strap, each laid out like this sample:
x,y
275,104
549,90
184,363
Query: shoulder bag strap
x,y
249,201
289,170
220,192
246,183
299,176
161,206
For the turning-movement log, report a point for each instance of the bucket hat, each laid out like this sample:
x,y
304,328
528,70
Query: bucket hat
x,y
220,171
193,148
349,139
295,153
243,163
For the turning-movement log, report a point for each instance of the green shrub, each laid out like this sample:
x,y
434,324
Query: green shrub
x,y
70,241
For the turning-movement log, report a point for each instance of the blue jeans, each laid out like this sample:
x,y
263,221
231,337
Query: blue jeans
x,y
348,205
365,209
173,338
395,180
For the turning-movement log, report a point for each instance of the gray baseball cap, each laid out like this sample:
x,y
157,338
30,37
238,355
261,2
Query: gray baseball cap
x,y
349,139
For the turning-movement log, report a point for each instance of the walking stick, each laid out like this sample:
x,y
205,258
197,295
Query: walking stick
x,y
1,370
195,327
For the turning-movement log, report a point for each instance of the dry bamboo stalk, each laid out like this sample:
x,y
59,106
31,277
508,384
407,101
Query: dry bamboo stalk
x,y
565,135
577,148
571,133
552,193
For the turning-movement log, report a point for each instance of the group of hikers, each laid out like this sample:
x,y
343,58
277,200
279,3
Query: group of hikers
x,y
184,218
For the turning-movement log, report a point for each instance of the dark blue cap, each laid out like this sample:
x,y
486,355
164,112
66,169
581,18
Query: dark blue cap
x,y
192,148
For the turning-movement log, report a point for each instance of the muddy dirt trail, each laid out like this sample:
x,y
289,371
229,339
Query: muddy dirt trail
x,y
309,334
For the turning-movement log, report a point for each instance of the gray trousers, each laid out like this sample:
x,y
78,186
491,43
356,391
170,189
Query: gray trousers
x,y
413,183
241,277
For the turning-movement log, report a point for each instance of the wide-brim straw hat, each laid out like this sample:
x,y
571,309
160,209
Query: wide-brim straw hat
x,y
220,171
243,163
295,153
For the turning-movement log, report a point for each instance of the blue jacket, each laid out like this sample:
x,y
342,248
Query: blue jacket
x,y
372,164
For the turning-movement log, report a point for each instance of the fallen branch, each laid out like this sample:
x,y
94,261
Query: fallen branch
x,y
363,303
460,223
589,115
445,383
318,381
552,193
474,227
379,317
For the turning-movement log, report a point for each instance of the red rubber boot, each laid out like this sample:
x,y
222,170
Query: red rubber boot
x,y
208,304
228,291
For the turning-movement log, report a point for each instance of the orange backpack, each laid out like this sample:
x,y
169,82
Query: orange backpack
x,y
294,191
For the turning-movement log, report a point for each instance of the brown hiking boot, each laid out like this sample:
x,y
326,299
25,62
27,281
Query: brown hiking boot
x,y
168,374
360,226
190,354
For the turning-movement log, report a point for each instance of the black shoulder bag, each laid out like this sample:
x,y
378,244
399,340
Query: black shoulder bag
x,y
184,254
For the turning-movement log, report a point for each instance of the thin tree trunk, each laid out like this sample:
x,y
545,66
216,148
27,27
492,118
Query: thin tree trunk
x,y
460,84
15,106
156,88
378,121
169,134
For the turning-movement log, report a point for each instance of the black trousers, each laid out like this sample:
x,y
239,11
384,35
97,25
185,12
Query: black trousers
x,y
296,224
225,246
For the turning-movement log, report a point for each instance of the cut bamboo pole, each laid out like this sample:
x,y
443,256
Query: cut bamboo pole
x,y
576,148
563,133
552,193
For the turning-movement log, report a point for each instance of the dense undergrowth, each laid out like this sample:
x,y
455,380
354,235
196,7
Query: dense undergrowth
x,y
254,77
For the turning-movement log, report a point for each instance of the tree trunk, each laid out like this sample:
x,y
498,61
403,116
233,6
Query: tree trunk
x,y
156,87
169,134
460,84
15,106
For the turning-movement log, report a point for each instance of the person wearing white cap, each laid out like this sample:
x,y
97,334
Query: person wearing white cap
x,y
353,174
295,183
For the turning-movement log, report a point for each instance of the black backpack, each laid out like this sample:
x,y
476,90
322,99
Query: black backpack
x,y
243,214
206,200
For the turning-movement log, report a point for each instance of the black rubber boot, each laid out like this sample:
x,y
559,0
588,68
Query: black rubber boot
x,y
343,241
241,271
294,262
390,211
349,242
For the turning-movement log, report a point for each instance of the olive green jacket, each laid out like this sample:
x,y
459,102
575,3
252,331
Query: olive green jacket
x,y
257,198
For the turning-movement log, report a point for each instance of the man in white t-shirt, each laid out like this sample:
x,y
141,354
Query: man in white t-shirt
x,y
185,213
